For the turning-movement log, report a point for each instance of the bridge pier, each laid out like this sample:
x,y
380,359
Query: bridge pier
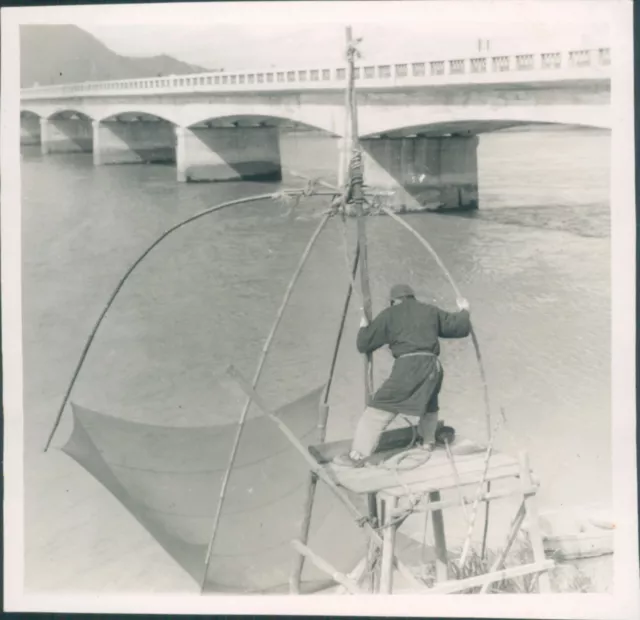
x,y
228,154
65,135
29,129
132,142
432,172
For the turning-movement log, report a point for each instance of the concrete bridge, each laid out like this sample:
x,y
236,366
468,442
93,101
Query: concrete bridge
x,y
419,122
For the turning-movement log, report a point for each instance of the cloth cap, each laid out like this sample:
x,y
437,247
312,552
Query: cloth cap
x,y
401,290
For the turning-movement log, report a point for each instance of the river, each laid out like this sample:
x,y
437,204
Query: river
x,y
534,262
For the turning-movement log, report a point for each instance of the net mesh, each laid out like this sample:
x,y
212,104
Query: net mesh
x,y
169,479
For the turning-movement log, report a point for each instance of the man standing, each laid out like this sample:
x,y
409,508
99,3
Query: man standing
x,y
411,329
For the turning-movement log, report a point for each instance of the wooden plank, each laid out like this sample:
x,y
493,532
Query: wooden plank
x,y
432,475
325,567
388,546
531,506
450,503
449,587
389,440
442,557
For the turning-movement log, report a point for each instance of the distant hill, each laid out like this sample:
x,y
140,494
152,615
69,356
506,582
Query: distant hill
x,y
63,54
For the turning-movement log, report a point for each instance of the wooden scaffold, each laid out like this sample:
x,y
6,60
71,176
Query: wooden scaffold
x,y
391,492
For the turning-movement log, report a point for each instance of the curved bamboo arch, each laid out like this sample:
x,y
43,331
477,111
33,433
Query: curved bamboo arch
x,y
132,268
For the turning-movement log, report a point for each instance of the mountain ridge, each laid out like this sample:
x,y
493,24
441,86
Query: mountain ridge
x,y
64,54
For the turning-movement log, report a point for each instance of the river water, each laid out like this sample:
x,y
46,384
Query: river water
x,y
534,263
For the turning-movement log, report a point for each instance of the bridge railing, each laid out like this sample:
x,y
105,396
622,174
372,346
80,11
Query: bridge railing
x,y
501,68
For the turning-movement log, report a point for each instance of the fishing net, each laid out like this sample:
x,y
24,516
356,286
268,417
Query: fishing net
x,y
169,479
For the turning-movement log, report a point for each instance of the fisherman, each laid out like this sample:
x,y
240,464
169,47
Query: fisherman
x,y
411,330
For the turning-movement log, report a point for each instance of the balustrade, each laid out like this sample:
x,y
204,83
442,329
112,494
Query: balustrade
x,y
436,70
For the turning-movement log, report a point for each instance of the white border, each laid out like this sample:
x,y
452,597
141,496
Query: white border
x,y
624,603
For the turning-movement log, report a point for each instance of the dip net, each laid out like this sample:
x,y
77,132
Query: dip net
x,y
169,479
157,431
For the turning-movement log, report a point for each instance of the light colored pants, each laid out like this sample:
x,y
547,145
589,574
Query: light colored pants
x,y
374,422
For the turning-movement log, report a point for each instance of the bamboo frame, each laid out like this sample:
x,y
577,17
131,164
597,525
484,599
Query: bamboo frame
x,y
496,573
133,267
298,562
318,469
539,566
256,377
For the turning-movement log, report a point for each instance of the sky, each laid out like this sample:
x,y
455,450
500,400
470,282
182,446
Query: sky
x,y
256,35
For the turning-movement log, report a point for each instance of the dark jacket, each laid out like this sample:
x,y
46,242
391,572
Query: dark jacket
x,y
409,327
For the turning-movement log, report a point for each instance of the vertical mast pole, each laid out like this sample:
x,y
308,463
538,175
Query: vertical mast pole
x,y
355,179
357,195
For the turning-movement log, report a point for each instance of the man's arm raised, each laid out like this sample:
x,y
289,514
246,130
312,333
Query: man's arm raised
x,y
455,324
372,337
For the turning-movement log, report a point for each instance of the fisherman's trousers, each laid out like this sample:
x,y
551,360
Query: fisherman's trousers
x,y
375,420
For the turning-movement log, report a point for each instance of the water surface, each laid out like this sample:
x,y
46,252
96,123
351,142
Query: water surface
x,y
534,263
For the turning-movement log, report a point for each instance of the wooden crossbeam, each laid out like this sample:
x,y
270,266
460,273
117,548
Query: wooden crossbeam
x,y
449,587
450,503
325,567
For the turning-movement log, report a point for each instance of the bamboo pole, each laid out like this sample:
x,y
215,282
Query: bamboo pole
x,y
325,567
513,533
449,587
356,174
440,539
388,547
531,508
318,469
256,377
357,196
474,509
134,265
298,564
476,346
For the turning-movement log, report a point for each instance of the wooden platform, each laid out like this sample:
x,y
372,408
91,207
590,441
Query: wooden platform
x,y
391,482
437,474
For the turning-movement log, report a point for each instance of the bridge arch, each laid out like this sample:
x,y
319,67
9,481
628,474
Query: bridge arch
x,y
69,114
133,115
329,119
479,119
260,120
